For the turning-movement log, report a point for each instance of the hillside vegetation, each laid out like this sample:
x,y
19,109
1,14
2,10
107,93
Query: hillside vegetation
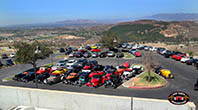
x,y
153,31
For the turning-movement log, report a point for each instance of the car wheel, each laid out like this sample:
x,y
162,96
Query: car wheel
x,y
114,86
45,81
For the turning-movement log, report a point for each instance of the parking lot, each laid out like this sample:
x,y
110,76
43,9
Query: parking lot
x,y
185,78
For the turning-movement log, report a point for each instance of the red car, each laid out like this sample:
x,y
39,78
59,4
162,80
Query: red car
x,y
176,55
126,64
88,67
108,74
95,81
96,73
43,69
95,50
173,56
179,57
137,54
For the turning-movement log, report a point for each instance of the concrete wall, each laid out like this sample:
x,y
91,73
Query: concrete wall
x,y
60,100
155,104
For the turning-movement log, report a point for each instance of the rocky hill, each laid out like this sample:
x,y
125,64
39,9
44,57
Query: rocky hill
x,y
152,30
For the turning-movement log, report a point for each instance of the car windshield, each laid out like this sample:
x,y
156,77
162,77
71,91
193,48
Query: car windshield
x,y
96,76
122,67
61,61
70,61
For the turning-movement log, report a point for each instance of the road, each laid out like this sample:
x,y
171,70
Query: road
x,y
12,70
185,78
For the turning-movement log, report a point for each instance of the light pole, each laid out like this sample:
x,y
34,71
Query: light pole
x,y
37,51
52,60
118,60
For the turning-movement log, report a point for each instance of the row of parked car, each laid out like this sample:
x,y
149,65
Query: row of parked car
x,y
83,72
178,56
93,52
102,54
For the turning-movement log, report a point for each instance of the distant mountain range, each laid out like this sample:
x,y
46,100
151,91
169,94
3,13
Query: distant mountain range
x,y
87,22
174,17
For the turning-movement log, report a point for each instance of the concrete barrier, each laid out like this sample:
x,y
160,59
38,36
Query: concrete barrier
x,y
155,104
61,100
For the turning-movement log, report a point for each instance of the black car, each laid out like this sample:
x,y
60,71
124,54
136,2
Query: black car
x,y
196,63
88,47
157,69
114,50
103,54
190,61
42,77
28,77
125,50
18,77
98,67
82,62
114,81
177,52
119,55
108,68
1,64
61,50
196,85
94,62
78,54
67,52
4,56
9,62
87,54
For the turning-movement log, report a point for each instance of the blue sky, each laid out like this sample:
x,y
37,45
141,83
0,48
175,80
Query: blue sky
x,y
38,11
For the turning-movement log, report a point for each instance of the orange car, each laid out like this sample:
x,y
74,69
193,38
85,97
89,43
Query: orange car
x,y
71,78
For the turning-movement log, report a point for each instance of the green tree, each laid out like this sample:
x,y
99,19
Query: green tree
x,y
149,63
30,53
109,40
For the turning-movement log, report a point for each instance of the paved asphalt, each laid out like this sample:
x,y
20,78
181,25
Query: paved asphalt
x,y
185,78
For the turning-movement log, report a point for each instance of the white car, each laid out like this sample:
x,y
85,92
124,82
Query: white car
x,y
129,46
87,71
153,49
184,59
70,64
135,47
127,74
110,54
12,55
71,55
137,69
60,65
163,52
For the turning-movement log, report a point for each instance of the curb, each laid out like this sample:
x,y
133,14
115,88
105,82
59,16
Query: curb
x,y
134,87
